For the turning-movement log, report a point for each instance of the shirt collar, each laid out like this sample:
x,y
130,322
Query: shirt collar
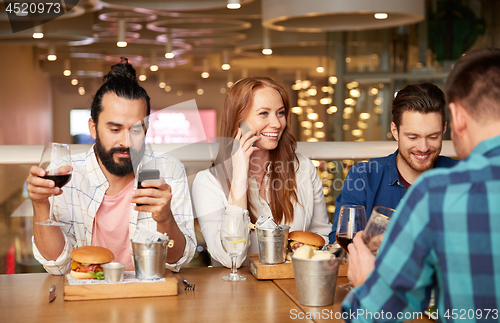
x,y
393,169
487,146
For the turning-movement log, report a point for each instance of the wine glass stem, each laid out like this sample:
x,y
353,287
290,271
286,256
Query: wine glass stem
x,y
51,214
233,266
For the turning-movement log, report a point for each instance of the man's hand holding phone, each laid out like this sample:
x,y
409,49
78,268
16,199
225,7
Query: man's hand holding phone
x,y
153,195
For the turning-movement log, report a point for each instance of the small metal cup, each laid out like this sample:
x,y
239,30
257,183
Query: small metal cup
x,y
339,253
113,272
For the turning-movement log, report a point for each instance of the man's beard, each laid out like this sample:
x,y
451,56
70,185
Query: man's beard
x,y
420,167
124,166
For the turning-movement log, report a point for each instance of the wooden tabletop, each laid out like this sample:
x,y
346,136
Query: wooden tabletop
x,y
330,313
24,298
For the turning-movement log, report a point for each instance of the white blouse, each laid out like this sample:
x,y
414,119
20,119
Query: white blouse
x,y
210,204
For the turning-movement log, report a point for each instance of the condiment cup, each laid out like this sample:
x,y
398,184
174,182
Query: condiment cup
x,y
113,272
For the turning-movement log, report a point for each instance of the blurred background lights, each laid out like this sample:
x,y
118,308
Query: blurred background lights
x,y
312,116
364,116
357,132
350,101
373,91
312,91
355,93
306,124
331,110
325,101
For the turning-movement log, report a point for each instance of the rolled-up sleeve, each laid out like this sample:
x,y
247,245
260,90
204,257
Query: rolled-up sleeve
x,y
182,211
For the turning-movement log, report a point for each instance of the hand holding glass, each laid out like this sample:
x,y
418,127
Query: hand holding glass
x,y
376,226
234,235
56,161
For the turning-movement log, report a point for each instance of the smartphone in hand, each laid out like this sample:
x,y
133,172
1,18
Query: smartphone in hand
x,y
244,128
145,175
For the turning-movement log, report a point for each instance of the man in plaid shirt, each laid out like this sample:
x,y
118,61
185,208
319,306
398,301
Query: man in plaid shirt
x,y
101,204
445,235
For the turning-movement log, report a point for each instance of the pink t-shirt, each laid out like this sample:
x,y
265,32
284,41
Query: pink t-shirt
x,y
111,225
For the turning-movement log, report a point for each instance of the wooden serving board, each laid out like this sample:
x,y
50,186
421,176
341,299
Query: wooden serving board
x,y
168,287
281,271
262,271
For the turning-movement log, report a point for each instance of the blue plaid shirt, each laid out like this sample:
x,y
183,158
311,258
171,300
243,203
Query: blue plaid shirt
x,y
375,183
445,235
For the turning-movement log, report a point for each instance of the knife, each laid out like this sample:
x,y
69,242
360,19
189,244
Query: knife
x,y
52,293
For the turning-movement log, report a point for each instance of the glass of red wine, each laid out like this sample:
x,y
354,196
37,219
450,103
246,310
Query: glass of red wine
x,y
56,161
352,219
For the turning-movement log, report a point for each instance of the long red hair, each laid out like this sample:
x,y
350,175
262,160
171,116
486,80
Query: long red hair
x,y
237,104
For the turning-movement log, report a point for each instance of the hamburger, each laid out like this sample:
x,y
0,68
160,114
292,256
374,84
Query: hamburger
x,y
87,262
297,239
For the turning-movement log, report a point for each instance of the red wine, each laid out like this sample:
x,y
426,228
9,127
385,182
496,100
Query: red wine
x,y
59,179
343,240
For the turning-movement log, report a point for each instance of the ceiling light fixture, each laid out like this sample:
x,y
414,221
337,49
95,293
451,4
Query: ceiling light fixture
x,y
38,32
320,69
381,15
162,83
169,47
205,74
233,4
121,33
67,67
225,60
266,42
51,56
153,67
142,76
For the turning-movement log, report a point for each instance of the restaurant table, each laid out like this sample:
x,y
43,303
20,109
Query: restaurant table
x,y
330,313
24,298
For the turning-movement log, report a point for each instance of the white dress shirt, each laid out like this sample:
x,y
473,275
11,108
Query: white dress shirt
x,y
210,204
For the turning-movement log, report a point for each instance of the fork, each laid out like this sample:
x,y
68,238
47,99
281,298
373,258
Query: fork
x,y
189,286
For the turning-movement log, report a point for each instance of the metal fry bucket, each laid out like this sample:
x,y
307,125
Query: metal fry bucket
x,y
315,280
272,244
150,259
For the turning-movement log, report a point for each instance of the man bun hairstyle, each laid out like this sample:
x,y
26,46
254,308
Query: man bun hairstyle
x,y
423,98
122,81
474,82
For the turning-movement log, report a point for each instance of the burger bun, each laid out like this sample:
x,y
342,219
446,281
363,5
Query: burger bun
x,y
307,237
79,275
92,255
